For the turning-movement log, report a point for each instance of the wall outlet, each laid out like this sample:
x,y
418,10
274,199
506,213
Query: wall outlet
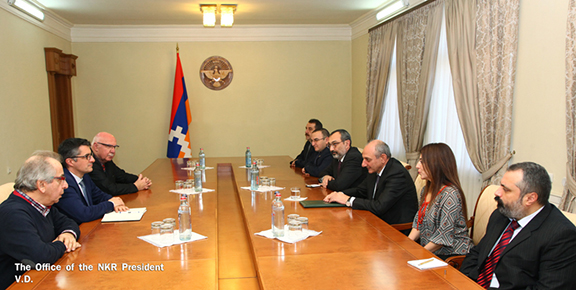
x,y
551,177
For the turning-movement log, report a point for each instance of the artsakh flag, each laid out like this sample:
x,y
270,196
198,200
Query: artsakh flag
x,y
179,135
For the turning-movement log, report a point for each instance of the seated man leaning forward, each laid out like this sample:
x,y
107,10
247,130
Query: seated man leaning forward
x,y
83,201
346,169
322,157
109,177
388,191
529,243
304,156
32,230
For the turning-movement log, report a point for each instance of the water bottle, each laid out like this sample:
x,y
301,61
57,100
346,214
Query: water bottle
x,y
278,216
248,157
197,178
254,176
184,219
202,157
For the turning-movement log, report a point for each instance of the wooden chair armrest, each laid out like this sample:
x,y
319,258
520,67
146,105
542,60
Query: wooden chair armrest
x,y
456,261
401,227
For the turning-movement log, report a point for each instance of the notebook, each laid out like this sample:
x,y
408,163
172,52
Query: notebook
x,y
134,214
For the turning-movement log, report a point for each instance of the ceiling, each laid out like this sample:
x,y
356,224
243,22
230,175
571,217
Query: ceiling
x,y
186,12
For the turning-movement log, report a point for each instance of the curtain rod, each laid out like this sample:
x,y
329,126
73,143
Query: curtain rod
x,y
422,4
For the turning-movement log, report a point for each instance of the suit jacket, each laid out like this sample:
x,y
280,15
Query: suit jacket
x,y
27,234
351,171
395,200
113,180
303,157
318,162
73,204
541,256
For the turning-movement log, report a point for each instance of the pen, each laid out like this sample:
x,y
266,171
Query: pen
x,y
427,261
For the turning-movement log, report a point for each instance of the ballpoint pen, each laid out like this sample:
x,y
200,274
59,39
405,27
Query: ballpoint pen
x,y
427,261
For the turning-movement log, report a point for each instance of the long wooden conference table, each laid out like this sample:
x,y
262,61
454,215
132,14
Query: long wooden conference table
x,y
356,250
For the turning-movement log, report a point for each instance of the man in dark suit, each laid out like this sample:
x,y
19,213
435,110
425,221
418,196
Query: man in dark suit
x,y
346,169
109,177
388,191
302,158
529,243
322,157
83,201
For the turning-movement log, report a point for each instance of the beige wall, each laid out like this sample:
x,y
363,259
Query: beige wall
x,y
126,89
539,122
24,109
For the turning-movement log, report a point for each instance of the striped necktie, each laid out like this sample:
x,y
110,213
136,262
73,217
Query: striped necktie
x,y
485,276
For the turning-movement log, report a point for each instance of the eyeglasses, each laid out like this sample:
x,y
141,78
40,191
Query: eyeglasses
x,y
59,178
108,145
317,139
87,156
334,144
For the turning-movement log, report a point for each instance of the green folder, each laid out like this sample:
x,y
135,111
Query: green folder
x,y
319,203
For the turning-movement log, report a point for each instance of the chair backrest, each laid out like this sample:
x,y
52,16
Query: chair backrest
x,y
419,183
5,190
570,216
485,205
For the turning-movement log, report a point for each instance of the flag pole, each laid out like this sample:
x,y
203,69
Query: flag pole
x,y
177,49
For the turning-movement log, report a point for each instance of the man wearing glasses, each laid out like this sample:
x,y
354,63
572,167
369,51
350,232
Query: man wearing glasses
x,y
32,230
346,170
321,158
304,156
109,177
83,201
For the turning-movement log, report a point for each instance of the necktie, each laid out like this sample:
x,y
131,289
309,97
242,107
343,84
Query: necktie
x,y
485,276
339,165
375,186
83,187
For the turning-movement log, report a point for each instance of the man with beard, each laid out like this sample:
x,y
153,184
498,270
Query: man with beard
x,y
529,243
304,156
109,177
346,169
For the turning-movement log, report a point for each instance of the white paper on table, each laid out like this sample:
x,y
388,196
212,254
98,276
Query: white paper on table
x,y
134,214
159,241
259,166
295,199
264,188
193,168
427,263
314,185
190,191
288,237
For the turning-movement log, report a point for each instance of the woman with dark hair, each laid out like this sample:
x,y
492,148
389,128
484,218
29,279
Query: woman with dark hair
x,y
440,223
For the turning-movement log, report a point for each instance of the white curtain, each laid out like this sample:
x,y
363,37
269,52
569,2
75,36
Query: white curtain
x,y
443,125
390,128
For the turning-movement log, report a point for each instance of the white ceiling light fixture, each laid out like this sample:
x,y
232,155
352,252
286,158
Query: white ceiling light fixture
x,y
227,14
392,8
209,14
28,8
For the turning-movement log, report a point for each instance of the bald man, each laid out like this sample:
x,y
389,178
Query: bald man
x,y
109,177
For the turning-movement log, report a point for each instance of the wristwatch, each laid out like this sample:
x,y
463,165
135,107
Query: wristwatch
x,y
348,202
